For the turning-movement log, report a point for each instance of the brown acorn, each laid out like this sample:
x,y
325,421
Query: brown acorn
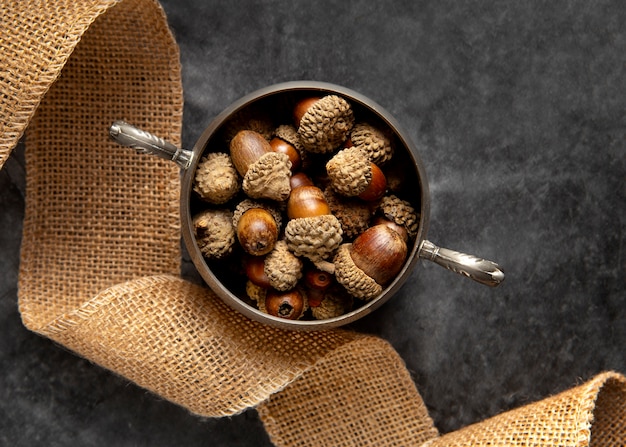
x,y
307,201
214,233
265,173
377,186
287,141
311,231
257,231
254,267
380,253
289,305
316,282
352,174
370,262
282,268
216,180
401,212
323,124
400,229
300,179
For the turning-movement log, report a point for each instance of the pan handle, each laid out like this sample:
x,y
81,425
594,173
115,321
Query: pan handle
x,y
147,143
480,270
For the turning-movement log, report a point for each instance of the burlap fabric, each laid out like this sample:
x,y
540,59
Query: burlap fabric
x,y
101,258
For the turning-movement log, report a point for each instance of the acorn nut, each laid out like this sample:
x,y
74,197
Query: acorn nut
x,y
400,212
353,214
289,305
351,174
214,232
323,123
335,302
282,268
312,231
316,282
257,231
307,201
216,180
254,267
287,141
265,173
374,142
257,225
369,263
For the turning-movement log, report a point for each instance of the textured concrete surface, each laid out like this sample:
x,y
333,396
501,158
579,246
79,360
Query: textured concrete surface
x,y
518,112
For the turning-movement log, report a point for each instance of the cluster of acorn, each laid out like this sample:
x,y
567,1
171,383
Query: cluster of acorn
x,y
318,220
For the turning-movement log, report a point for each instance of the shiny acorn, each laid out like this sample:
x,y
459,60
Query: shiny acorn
x,y
370,262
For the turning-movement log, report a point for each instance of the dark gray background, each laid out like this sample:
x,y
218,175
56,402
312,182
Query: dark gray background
x,y
518,110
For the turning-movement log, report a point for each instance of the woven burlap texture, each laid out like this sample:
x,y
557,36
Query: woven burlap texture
x,y
101,257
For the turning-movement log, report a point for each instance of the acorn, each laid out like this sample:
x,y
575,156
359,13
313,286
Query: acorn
x,y
254,267
250,118
377,187
335,302
352,174
265,173
289,305
316,282
323,123
287,141
283,147
400,229
216,180
373,141
282,268
369,263
256,293
257,226
353,214
307,201
214,232
257,231
300,179
400,212
312,231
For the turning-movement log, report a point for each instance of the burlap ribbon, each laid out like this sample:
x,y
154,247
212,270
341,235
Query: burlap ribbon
x,y
101,257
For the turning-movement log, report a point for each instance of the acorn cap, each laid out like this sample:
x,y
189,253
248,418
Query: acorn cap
x,y
355,280
282,267
400,212
353,214
249,120
214,232
349,171
373,141
248,204
326,124
216,180
268,177
289,133
254,292
335,303
315,238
